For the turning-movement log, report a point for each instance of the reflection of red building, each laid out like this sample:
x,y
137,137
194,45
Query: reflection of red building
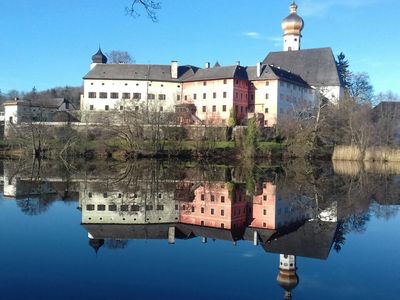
x,y
218,205
264,208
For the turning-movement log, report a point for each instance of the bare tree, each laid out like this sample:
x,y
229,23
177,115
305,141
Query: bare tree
x,y
119,57
149,6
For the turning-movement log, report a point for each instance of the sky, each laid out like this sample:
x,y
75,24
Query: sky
x,y
48,43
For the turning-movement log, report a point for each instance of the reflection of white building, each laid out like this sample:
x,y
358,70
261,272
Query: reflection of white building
x,y
116,207
287,277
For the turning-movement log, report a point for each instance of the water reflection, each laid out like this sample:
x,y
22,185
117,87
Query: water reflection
x,y
294,211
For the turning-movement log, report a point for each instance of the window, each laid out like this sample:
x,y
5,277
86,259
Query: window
x,y
204,109
90,207
119,195
222,225
176,206
241,109
265,212
90,195
135,208
266,110
222,199
267,83
124,207
252,97
266,123
112,207
161,97
106,107
151,96
265,198
223,107
160,207
126,95
121,108
202,210
202,197
204,95
267,96
178,97
214,108
185,97
205,83
105,195
101,207
212,211
194,96
264,224
237,95
225,81
224,94
214,95
193,209
222,212
201,223
91,107
103,95
237,81
136,108
212,198
137,96
161,108
149,207
92,95
114,96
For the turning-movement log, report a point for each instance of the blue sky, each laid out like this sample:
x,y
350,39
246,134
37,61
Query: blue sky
x,y
48,43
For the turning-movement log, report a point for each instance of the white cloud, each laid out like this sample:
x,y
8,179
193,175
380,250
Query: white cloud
x,y
253,35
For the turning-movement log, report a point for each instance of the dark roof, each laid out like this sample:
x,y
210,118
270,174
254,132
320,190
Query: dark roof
x,y
128,232
387,109
99,57
48,103
263,234
316,66
210,232
139,72
228,72
314,239
273,73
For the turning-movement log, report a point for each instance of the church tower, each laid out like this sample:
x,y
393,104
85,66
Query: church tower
x,y
287,277
292,26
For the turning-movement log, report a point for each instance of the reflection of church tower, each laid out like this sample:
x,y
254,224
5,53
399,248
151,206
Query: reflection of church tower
x,y
287,277
292,26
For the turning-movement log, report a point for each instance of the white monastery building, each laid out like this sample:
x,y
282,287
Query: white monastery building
x,y
215,95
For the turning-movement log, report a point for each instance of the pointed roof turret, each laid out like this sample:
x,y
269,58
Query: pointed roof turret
x,y
99,57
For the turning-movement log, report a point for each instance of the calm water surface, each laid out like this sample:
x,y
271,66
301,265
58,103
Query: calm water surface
x,y
162,230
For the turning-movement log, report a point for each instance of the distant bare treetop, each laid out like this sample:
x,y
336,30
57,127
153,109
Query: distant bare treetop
x,y
119,57
149,6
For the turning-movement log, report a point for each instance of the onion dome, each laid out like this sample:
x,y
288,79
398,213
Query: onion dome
x,y
293,24
99,58
288,280
96,244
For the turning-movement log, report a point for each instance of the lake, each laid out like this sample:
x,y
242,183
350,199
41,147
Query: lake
x,y
190,230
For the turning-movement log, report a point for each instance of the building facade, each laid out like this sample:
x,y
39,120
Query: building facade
x,y
281,84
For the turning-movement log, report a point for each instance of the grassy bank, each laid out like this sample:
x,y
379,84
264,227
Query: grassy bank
x,y
114,148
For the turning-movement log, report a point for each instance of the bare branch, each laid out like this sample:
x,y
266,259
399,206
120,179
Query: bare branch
x,y
149,6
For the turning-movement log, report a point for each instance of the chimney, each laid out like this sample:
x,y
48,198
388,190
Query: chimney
x,y
174,69
207,65
238,63
258,69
